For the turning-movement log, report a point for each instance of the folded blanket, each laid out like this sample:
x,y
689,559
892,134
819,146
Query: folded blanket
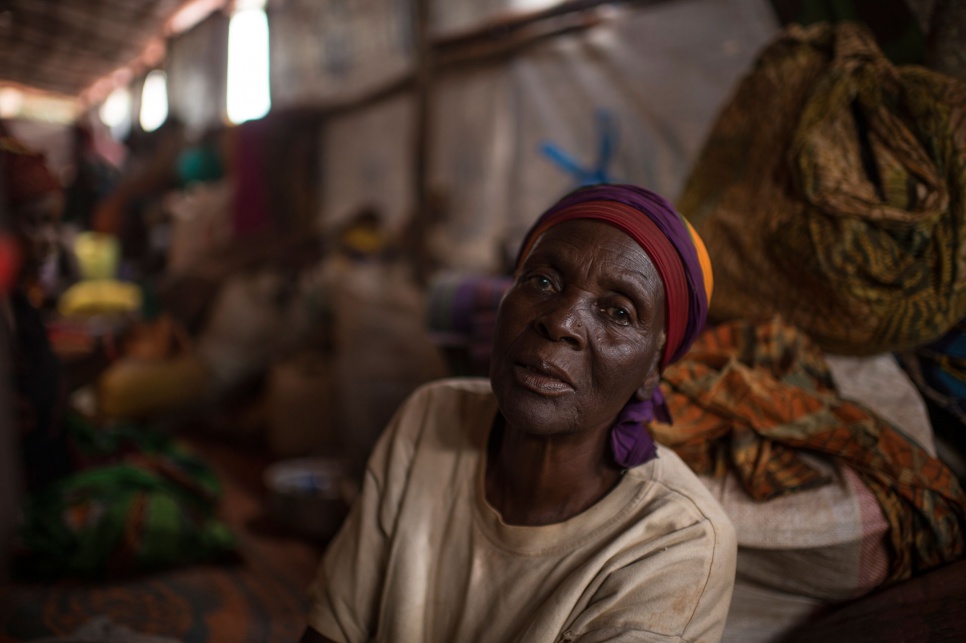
x,y
752,397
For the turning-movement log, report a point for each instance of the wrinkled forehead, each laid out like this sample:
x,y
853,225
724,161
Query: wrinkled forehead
x,y
597,247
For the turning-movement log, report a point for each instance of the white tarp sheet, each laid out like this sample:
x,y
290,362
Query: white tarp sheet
x,y
452,16
330,51
659,73
195,68
367,161
471,161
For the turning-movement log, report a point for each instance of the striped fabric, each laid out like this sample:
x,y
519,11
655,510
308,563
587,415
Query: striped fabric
x,y
461,315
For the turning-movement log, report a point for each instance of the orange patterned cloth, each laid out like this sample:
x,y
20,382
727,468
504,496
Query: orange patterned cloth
x,y
751,397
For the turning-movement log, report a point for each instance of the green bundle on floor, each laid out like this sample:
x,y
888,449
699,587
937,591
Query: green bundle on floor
x,y
145,504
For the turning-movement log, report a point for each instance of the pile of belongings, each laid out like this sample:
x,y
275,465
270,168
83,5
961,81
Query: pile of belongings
x,y
832,190
139,501
749,398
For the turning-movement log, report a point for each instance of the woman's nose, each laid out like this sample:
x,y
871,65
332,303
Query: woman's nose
x,y
563,321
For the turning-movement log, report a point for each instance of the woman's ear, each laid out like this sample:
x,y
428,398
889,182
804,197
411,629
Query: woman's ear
x,y
646,390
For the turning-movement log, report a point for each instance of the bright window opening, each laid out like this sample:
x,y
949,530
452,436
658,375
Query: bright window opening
x,y
154,101
115,112
533,5
11,102
248,70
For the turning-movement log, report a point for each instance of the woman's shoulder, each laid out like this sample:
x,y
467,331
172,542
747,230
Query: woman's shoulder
x,y
452,407
465,387
673,487
432,432
449,395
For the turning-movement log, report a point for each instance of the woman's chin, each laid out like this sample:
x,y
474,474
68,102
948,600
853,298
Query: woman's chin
x,y
534,414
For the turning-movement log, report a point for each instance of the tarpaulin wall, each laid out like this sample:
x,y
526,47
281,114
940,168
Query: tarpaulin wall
x,y
646,82
336,51
495,107
195,67
629,96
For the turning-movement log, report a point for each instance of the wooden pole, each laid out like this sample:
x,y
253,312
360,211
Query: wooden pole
x,y
422,130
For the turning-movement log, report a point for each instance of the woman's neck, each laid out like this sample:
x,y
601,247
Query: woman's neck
x,y
541,480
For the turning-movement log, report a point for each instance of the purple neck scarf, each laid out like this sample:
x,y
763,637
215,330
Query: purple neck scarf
x,y
630,442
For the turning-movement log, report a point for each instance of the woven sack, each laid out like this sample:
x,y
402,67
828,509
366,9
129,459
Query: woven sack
x,y
830,190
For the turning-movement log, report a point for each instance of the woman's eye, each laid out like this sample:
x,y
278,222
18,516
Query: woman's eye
x,y
620,315
541,282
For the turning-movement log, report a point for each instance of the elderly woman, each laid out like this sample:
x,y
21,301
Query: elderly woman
x,y
535,506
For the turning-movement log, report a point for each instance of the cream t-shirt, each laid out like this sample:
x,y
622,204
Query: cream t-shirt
x,y
423,557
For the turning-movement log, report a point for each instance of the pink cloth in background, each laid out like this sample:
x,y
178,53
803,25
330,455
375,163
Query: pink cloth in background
x,y
250,211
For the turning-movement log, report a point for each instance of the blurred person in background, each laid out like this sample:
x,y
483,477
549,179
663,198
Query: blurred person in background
x,y
33,202
93,180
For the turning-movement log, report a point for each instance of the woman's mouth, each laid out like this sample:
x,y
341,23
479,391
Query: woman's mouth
x,y
541,379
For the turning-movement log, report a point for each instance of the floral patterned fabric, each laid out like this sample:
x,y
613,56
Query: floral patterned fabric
x,y
751,397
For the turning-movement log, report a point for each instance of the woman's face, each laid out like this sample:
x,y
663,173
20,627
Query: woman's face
x,y
578,333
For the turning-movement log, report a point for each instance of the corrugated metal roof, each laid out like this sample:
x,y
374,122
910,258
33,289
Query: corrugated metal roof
x,y
64,46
